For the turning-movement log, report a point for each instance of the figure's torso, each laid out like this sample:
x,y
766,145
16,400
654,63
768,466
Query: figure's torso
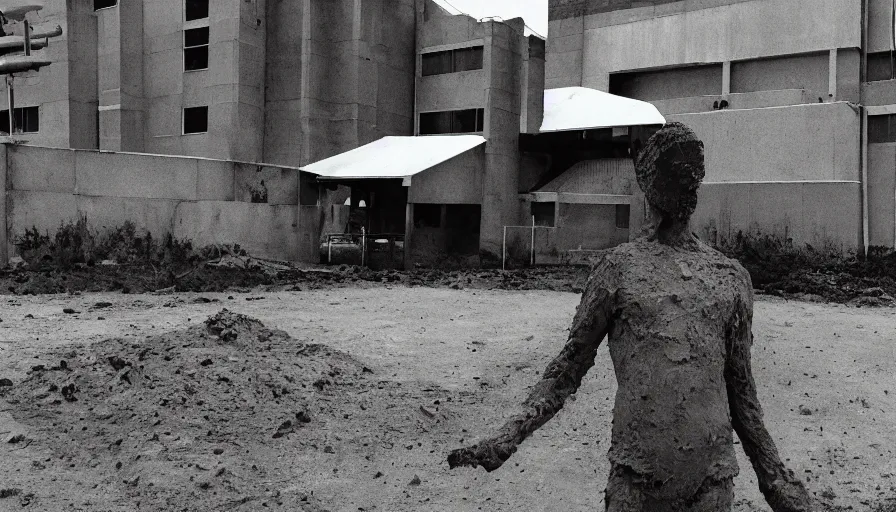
x,y
672,309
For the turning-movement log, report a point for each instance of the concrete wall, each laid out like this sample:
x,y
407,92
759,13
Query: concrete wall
x,y
748,100
816,213
808,72
455,181
882,194
802,142
207,201
649,35
880,25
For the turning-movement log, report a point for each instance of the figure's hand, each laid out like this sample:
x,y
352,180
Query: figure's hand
x,y
489,454
789,495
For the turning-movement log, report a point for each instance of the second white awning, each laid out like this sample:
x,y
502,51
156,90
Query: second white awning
x,y
394,157
580,108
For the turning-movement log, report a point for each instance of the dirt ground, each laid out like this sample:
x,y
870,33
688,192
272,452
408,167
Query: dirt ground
x,y
153,411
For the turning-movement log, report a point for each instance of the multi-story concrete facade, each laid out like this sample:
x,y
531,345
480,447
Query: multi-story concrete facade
x,y
286,82
781,91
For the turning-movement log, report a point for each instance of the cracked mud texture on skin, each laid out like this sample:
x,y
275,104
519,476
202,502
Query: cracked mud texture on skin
x,y
678,314
669,170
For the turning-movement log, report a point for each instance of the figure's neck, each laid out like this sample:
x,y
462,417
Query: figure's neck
x,y
671,231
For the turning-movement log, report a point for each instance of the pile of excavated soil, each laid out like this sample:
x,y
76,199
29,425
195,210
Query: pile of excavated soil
x,y
225,416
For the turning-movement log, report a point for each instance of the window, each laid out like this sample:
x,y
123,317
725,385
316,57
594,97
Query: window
x,y
196,48
544,214
622,214
882,128
104,4
452,61
27,120
452,121
196,10
195,120
880,66
427,215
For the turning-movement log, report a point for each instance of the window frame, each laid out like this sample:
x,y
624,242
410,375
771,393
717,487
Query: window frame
x,y
183,120
194,20
873,56
452,60
453,122
205,45
4,115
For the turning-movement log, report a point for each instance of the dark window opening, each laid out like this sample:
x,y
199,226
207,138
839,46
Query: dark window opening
x,y
882,128
452,121
881,66
27,120
104,4
196,48
427,215
195,120
544,214
462,228
452,61
623,211
196,10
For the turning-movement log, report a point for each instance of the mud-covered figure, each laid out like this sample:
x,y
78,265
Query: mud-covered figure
x,y
678,315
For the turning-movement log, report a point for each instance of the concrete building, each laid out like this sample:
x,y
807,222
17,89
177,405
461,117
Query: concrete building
x,y
795,108
249,80
798,114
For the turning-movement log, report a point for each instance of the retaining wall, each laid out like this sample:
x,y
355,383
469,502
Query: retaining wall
x,y
206,201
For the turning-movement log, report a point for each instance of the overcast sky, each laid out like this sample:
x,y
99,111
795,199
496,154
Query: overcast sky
x,y
535,12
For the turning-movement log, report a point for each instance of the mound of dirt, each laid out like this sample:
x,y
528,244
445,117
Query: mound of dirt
x,y
196,418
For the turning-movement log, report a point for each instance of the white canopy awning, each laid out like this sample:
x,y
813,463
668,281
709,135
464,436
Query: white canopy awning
x,y
580,108
394,157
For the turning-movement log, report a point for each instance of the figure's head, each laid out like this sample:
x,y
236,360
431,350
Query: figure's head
x,y
670,169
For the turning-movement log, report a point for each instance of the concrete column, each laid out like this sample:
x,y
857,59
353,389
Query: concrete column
x,y
4,226
408,234
120,77
726,78
80,31
832,75
504,46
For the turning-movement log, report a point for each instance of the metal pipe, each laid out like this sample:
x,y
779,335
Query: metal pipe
x,y
504,250
863,147
532,256
11,101
27,39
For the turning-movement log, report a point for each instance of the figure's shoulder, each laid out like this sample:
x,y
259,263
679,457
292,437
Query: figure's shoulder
x,y
720,261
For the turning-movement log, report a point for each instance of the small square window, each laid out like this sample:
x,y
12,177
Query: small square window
x,y
104,4
622,215
196,10
195,120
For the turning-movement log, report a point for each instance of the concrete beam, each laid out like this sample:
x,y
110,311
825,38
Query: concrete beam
x,y
574,198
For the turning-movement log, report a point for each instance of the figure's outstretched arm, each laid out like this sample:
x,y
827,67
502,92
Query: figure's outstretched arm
x,y
783,491
561,378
